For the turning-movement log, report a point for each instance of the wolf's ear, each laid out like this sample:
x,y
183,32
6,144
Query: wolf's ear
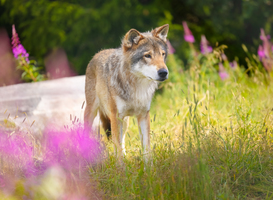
x,y
131,37
161,32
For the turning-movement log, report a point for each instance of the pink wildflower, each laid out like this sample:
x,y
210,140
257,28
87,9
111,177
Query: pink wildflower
x,y
17,48
266,43
261,53
188,35
222,72
170,47
223,75
233,64
224,57
264,51
204,47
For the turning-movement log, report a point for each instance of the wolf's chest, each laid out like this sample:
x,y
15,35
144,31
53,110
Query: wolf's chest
x,y
139,99
135,107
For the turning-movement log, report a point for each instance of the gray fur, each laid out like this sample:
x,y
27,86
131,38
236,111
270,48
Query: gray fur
x,y
121,82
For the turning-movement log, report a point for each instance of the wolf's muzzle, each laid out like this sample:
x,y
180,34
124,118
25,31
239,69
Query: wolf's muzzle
x,y
163,74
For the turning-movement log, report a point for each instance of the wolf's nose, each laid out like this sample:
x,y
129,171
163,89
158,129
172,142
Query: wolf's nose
x,y
162,73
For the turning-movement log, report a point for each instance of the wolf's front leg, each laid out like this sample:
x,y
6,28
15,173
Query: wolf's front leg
x,y
144,133
123,128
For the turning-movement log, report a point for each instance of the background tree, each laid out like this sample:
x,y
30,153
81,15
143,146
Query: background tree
x,y
84,27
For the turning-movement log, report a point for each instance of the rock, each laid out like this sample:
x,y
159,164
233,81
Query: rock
x,y
34,106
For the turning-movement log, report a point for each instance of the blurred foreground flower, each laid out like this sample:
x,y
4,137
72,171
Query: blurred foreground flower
x,y
187,33
222,72
67,153
70,149
204,47
17,151
30,72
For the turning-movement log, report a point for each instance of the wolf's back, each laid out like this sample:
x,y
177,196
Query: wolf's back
x,y
104,58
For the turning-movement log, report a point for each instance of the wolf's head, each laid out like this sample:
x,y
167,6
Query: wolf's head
x,y
147,52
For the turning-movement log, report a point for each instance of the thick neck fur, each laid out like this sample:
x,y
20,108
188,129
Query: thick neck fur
x,y
130,86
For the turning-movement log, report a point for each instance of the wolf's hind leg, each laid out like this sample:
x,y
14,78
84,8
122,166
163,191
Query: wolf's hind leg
x,y
90,113
92,101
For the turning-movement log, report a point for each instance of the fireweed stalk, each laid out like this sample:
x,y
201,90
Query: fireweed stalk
x,y
222,72
188,36
30,72
265,52
207,51
204,47
190,39
170,47
187,33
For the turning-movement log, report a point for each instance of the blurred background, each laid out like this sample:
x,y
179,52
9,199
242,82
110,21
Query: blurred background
x,y
63,35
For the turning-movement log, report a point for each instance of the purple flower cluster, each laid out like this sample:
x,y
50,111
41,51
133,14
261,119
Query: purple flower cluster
x,y
205,49
20,51
17,48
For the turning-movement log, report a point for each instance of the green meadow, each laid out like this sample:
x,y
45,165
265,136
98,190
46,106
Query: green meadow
x,y
211,121
210,138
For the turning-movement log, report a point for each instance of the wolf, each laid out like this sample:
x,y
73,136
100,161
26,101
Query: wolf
x,y
121,83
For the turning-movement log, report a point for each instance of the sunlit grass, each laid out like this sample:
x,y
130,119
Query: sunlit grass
x,y
211,139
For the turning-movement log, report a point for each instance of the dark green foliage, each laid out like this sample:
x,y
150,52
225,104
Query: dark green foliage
x,y
84,27
229,22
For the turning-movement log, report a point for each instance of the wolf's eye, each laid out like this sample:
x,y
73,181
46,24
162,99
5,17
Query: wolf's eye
x,y
163,54
148,56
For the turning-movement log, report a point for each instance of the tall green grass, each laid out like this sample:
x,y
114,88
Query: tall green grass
x,y
211,139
